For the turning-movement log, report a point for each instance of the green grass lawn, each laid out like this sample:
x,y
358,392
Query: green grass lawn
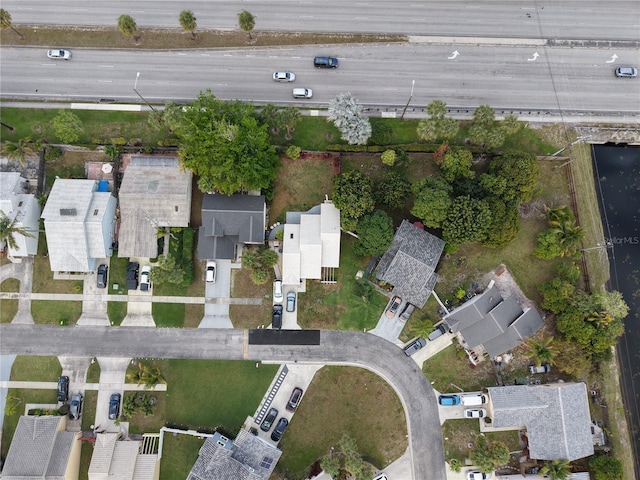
x,y
35,369
459,434
93,373
179,453
9,308
52,312
340,401
168,314
447,371
250,316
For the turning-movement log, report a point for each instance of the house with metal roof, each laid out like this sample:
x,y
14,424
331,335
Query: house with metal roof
x,y
117,458
229,221
494,323
410,263
79,223
555,416
42,449
311,244
248,457
155,192
23,211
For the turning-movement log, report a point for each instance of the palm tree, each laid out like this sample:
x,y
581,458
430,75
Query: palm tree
x,y
569,236
20,150
127,25
153,376
560,215
188,22
7,22
8,230
556,469
246,21
541,351
600,319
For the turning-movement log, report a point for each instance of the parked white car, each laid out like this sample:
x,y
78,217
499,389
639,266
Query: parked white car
x,y
210,272
277,291
145,278
475,413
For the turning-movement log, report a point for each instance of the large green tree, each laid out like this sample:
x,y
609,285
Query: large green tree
x,y
467,221
375,234
20,150
9,229
353,196
484,129
556,469
432,201
392,190
67,126
521,172
437,125
541,351
605,467
487,456
223,143
504,223
456,164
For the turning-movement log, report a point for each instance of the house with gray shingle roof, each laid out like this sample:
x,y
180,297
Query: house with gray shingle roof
x,y
410,262
494,323
23,210
556,418
42,449
248,457
79,223
229,221
155,192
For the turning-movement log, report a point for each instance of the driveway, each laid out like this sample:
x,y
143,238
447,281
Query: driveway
x,y
336,348
94,306
390,328
216,315
112,378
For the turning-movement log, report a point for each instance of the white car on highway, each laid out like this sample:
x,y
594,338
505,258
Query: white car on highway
x,y
284,76
58,54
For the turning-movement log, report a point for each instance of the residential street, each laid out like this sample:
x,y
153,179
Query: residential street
x,y
336,348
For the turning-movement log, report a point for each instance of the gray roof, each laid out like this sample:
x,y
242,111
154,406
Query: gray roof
x,y
556,417
495,323
230,220
410,262
155,191
248,457
38,449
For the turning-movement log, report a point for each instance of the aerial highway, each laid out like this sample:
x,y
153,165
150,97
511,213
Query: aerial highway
x,y
527,77
576,19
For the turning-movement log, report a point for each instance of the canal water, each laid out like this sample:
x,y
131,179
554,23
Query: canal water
x,y
617,172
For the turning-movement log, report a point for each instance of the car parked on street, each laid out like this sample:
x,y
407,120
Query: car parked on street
x,y
449,400
59,54
132,275
145,278
267,423
325,62
210,272
102,276
440,330
475,413
276,317
407,311
75,409
393,307
63,389
626,72
291,302
477,475
294,399
414,346
277,433
114,406
284,76
544,368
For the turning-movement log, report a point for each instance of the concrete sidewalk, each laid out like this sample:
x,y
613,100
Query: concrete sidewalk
x,y
161,387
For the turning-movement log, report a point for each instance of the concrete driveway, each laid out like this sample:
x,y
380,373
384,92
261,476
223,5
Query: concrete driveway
x,y
112,378
216,315
390,328
94,307
139,313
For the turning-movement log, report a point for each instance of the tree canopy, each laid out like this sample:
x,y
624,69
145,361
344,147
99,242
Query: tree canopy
x,y
432,201
437,125
223,143
468,220
375,234
188,21
520,171
127,25
352,195
347,116
456,164
246,21
392,190
67,126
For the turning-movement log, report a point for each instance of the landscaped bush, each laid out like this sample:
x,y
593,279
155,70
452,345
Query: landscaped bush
x,y
187,256
51,153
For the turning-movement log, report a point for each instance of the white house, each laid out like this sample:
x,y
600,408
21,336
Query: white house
x,y
79,223
311,243
114,458
23,210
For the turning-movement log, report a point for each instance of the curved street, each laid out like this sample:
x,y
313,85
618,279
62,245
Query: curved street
x,y
336,348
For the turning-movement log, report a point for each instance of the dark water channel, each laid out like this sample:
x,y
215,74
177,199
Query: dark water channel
x,y
617,171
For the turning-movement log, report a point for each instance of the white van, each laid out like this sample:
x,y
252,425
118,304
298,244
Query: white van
x,y
473,399
302,93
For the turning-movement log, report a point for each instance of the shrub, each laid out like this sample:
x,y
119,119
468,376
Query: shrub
x,y
52,153
187,256
388,157
293,152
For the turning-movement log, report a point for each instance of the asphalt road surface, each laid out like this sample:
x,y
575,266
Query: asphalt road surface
x,y
336,348
521,77
584,19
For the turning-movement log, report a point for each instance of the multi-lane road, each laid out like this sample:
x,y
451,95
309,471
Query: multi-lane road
x,y
584,19
528,77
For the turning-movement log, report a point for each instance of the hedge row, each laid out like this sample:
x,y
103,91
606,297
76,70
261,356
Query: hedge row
x,y
407,147
187,255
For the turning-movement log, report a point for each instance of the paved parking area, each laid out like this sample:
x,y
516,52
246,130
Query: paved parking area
x,y
112,378
390,328
216,315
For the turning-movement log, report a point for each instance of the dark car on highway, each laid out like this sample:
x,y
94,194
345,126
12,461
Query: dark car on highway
x,y
132,275
294,399
114,406
279,430
63,389
276,317
267,423
325,62
103,271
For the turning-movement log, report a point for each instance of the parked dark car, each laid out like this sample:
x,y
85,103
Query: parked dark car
x,y
449,400
103,272
63,389
294,399
75,409
132,275
267,423
407,311
414,346
277,433
291,302
325,62
114,406
440,330
276,317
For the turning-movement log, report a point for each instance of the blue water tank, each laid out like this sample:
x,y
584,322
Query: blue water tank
x,y
103,186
